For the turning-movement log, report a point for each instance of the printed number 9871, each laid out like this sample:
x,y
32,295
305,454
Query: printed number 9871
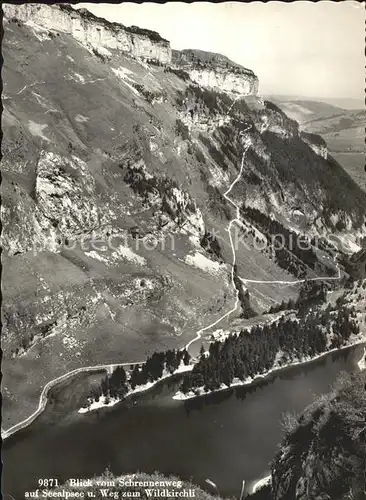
x,y
48,483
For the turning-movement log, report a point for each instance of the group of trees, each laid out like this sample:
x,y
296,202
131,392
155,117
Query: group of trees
x,y
290,248
243,296
255,352
355,265
180,73
100,56
214,102
216,201
228,135
149,96
211,244
181,129
215,153
153,35
153,369
200,157
311,294
120,382
151,185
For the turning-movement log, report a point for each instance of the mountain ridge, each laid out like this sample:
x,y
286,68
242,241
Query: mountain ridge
x,y
98,34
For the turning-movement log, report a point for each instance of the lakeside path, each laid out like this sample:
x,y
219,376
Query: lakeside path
x,y
110,367
52,383
44,395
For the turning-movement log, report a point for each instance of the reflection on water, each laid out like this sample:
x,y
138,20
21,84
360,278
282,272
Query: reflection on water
x,y
227,436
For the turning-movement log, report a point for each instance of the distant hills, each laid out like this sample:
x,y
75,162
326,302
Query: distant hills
x,y
338,102
342,129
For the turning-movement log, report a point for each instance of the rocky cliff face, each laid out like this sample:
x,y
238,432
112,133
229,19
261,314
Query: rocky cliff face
x,y
207,69
93,32
216,71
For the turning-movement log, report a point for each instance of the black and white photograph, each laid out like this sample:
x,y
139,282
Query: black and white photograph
x,y
183,211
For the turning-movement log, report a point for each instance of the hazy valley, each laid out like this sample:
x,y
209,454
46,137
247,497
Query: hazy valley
x,y
342,129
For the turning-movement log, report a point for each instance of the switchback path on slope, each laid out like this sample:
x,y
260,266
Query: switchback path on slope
x,y
109,367
233,221
247,144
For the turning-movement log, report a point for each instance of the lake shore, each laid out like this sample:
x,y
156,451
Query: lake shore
x,y
238,383
97,405
46,390
266,480
260,483
159,433
44,396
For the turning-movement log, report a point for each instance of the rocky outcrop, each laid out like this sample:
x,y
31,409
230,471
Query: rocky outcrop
x,y
275,121
63,205
213,71
203,122
216,71
174,208
65,193
225,81
355,264
93,32
316,143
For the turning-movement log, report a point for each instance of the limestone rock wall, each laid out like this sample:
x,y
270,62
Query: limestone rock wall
x,y
216,71
93,32
225,81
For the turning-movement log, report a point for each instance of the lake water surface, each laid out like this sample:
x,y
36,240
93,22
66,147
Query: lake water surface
x,y
226,437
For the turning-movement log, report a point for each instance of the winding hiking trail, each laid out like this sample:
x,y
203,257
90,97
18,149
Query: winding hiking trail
x,y
233,221
237,220
109,367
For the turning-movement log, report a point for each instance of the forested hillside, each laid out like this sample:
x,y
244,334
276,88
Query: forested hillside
x,y
263,348
323,453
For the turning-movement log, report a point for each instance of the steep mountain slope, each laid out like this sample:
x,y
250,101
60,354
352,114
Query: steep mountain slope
x,y
342,129
114,217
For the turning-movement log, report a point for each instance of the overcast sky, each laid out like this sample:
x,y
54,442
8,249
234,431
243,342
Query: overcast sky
x,y
310,49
